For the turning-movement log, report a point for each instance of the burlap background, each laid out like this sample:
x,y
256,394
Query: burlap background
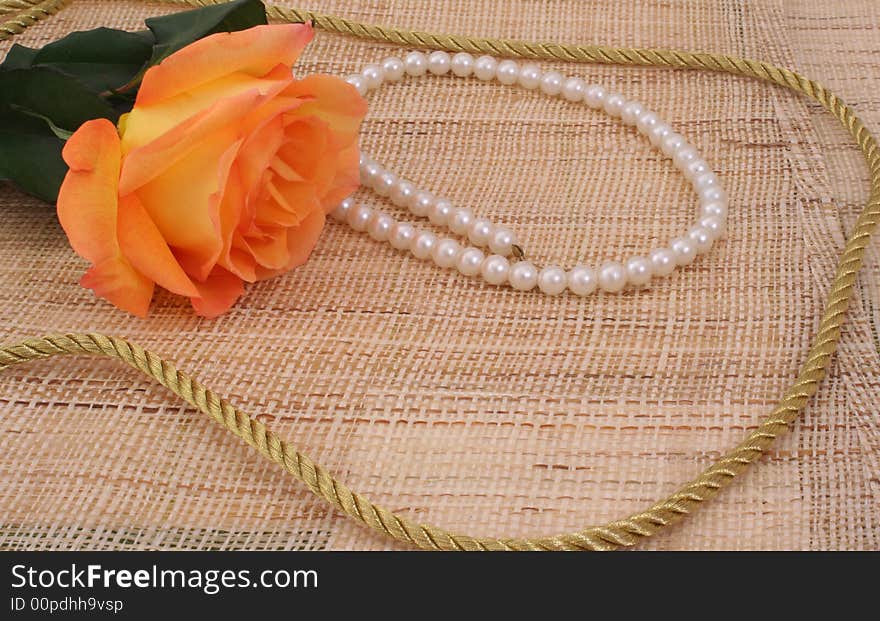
x,y
481,409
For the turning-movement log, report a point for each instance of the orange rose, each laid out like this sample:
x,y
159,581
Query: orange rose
x,y
222,173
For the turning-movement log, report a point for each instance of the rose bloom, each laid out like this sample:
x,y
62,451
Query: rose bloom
x,y
221,174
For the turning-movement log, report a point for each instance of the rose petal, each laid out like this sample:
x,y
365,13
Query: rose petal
x,y
88,213
184,201
147,250
342,108
270,250
119,283
240,261
301,240
217,293
254,52
145,163
286,203
332,100
257,152
146,123
87,198
305,150
346,180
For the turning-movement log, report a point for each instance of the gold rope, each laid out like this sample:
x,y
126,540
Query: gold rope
x,y
625,532
15,6
26,13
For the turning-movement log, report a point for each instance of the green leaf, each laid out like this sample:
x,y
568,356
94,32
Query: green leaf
x,y
61,133
49,93
30,155
46,94
175,31
36,106
102,59
19,57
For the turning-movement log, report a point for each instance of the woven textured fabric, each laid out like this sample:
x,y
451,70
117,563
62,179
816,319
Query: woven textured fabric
x,y
481,409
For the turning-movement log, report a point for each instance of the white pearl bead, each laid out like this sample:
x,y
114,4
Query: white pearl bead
x,y
403,193
638,271
658,133
705,181
402,235
501,241
359,83
714,225
380,226
614,104
582,280
671,144
484,67
647,122
470,261
663,261
385,183
415,64
423,244
712,194
480,231
612,276
551,83
684,251
507,72
523,276
631,112
359,217
440,212
421,203
446,252
714,208
372,76
530,76
552,280
696,168
393,69
462,64
573,89
684,156
595,96
439,63
370,172
495,269
461,221
701,239
341,212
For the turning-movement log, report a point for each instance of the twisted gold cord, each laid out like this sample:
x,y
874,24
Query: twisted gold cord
x,y
26,13
625,532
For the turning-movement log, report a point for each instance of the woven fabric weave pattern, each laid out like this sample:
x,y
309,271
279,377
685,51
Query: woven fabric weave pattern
x,y
483,409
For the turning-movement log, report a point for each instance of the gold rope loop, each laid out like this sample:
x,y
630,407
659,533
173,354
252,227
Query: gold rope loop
x,y
628,531
25,13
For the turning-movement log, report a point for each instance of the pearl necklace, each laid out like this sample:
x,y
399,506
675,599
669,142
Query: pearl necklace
x,y
496,269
